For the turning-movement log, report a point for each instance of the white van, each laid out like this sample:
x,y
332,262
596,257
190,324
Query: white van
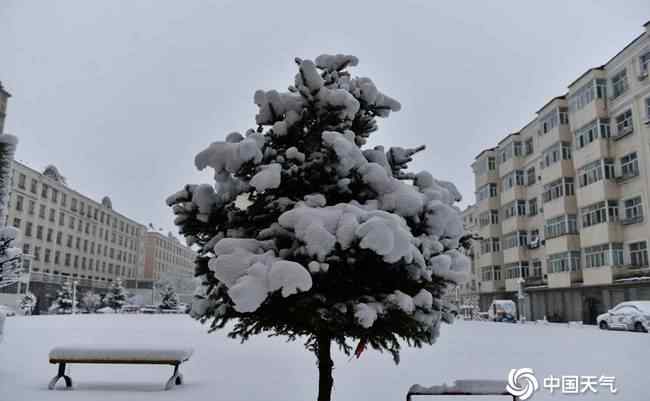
x,y
502,310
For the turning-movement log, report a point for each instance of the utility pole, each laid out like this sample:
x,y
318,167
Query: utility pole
x,y
74,297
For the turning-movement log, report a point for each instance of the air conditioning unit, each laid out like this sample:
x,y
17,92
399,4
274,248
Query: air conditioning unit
x,y
643,75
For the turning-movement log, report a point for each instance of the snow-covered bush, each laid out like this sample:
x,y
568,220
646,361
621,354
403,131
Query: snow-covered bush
x,y
116,296
169,298
335,243
27,303
63,302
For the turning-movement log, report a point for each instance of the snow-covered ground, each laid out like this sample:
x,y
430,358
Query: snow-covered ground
x,y
270,369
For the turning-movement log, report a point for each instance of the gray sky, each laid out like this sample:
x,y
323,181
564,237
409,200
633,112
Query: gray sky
x,y
120,95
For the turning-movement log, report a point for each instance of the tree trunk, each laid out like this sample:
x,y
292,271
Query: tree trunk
x,y
325,366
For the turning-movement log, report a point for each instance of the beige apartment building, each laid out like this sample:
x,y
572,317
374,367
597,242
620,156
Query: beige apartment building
x,y
68,236
167,260
561,206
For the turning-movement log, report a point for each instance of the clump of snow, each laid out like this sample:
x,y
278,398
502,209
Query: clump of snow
x,y
229,156
293,154
268,178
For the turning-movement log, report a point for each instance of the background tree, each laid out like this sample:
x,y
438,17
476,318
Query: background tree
x,y
116,296
307,235
63,301
169,298
10,256
91,301
27,303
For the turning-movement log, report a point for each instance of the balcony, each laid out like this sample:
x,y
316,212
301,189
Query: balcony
x,y
535,281
564,279
632,220
599,190
631,273
492,286
598,275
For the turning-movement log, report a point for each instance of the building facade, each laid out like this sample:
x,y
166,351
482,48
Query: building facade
x,y
66,236
562,205
167,261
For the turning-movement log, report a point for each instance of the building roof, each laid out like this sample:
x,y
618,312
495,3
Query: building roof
x,y
507,137
483,151
561,97
599,68
79,194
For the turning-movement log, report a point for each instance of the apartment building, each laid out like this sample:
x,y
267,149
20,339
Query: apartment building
x,y
167,260
69,236
562,204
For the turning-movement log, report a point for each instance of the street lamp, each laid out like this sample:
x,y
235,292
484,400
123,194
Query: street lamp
x,y
74,296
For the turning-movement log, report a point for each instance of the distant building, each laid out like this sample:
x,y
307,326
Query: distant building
x,y
167,261
562,204
69,236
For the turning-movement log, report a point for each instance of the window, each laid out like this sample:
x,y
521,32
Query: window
x,y
52,215
633,210
511,179
488,217
41,211
39,232
16,222
32,186
558,188
46,258
515,239
537,268
61,218
59,237
64,199
587,93
486,191
67,260
73,204
619,84
37,253
28,229
55,195
497,273
514,208
639,254
555,153
21,180
562,225
528,147
57,257
564,116
630,165
486,273
593,172
530,176
590,132
604,255
647,108
624,124
549,121
532,207
564,262
644,63
516,270
601,212
19,203
50,234
513,149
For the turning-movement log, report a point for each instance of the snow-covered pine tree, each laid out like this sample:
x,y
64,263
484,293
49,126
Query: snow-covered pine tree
x,y
116,296
310,236
27,303
63,301
169,298
10,256
91,301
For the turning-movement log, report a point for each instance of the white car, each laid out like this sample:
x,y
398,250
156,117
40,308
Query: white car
x,y
633,316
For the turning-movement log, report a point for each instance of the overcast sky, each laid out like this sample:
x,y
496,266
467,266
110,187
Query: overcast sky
x,y
120,95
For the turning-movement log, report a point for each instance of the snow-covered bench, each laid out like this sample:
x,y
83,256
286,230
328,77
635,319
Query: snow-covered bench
x,y
464,388
119,355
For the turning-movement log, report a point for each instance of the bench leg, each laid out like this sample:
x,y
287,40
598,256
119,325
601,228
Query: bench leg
x,y
60,374
177,378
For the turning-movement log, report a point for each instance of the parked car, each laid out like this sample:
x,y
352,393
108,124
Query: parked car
x,y
130,308
503,310
105,309
632,316
7,310
149,309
